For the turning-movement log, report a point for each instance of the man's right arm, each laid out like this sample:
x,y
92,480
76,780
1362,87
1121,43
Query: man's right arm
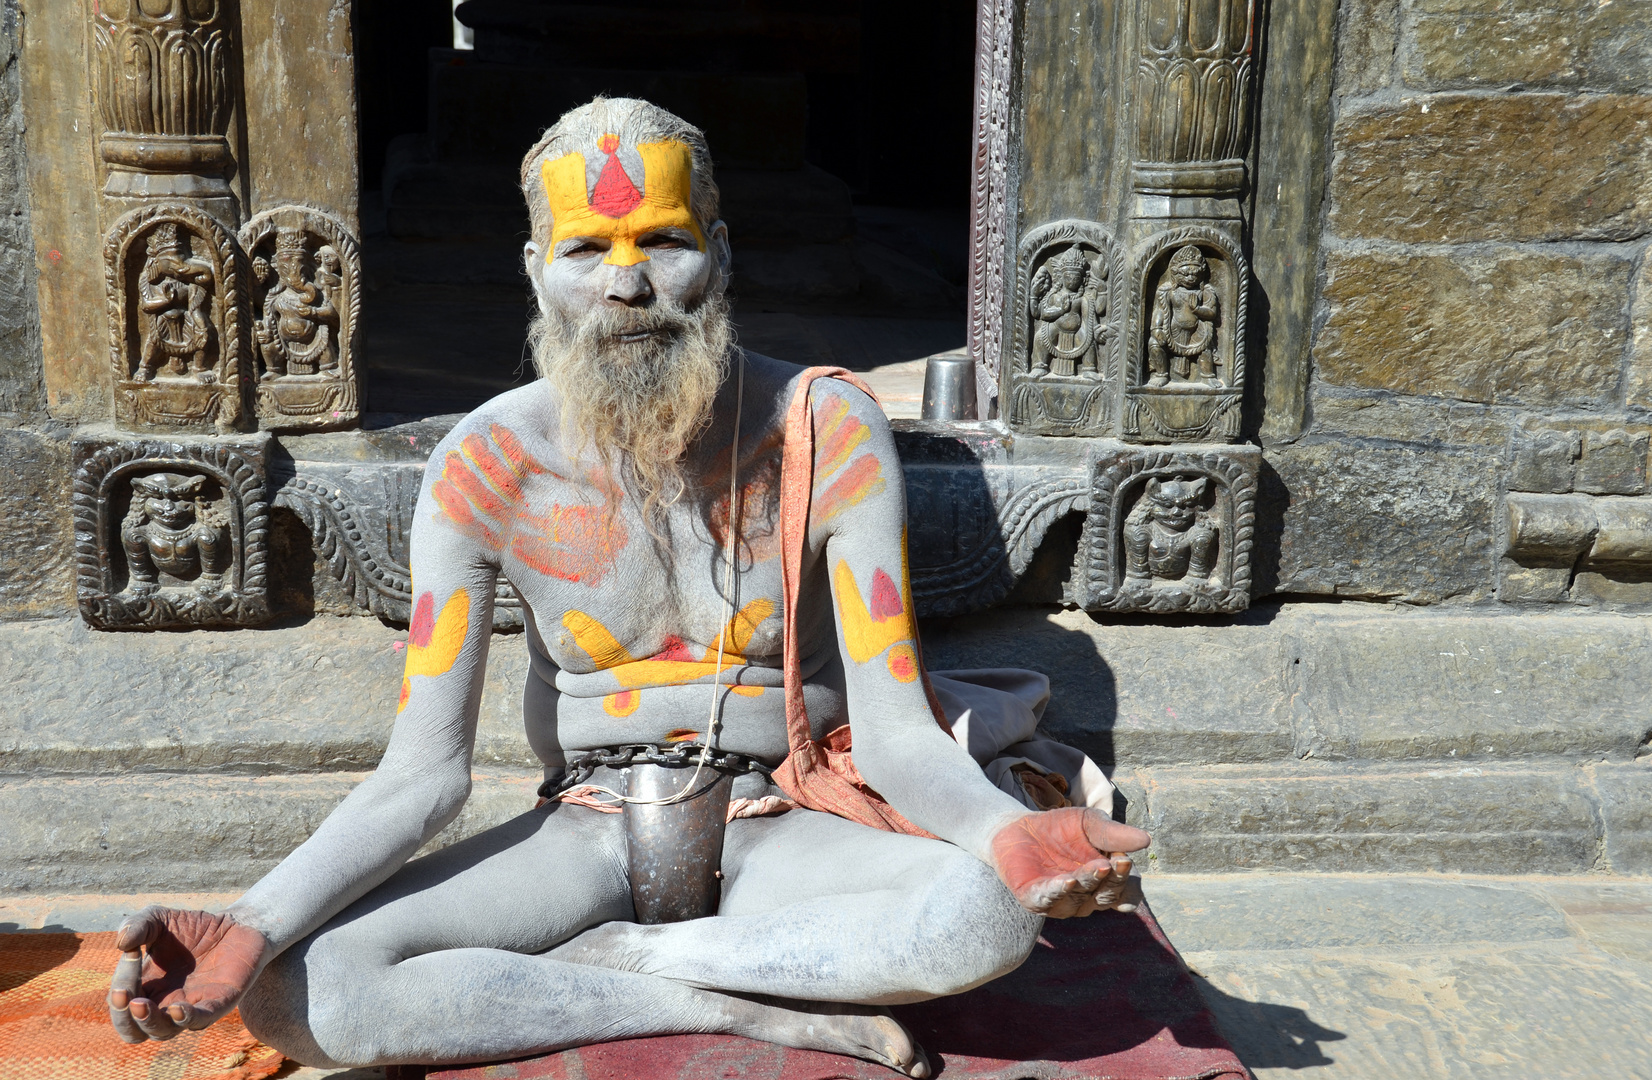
x,y
418,788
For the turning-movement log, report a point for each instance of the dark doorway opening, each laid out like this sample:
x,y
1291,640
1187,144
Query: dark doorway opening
x,y
841,130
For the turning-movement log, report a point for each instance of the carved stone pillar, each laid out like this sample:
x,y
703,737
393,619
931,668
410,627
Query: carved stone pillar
x,y
1190,139
165,88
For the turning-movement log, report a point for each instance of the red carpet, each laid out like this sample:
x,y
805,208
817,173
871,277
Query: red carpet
x,y
1106,999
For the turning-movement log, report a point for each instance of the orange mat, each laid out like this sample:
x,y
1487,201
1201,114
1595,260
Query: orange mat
x,y
54,1022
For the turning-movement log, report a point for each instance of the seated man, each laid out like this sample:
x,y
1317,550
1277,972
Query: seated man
x,y
682,520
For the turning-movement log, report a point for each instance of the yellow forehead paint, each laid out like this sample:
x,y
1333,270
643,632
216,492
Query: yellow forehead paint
x,y
614,210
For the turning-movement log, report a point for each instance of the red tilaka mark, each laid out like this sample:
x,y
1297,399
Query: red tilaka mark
x,y
615,195
424,621
886,599
674,649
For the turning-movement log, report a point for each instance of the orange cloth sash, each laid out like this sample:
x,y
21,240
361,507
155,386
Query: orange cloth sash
x,y
819,773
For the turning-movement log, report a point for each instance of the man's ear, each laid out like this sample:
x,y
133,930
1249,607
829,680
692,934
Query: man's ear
x,y
533,264
717,244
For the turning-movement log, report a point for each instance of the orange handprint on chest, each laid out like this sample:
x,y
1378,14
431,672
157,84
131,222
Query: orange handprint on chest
x,y
481,495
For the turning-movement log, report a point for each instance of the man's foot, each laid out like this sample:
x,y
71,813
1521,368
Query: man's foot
x,y
859,1031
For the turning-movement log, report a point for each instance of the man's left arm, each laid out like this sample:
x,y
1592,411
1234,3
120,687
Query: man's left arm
x,y
1051,860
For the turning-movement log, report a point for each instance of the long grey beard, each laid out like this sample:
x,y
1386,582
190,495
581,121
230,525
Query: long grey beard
x,y
639,403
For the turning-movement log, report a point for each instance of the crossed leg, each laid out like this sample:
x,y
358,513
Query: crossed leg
x,y
446,962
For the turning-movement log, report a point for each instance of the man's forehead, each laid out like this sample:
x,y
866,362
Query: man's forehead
x,y
621,190
619,175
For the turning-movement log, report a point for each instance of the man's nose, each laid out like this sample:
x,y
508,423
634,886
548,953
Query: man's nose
x,y
629,285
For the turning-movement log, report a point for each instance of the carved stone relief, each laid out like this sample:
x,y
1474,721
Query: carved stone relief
x,y
1188,338
360,521
989,211
173,282
305,318
171,534
1170,530
1193,89
164,81
1068,298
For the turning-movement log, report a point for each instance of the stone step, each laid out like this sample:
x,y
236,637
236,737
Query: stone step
x,y
138,833
160,832
1314,817
1282,685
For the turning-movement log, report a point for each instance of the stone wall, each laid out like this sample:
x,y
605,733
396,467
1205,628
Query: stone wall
x,y
1482,319
22,390
35,540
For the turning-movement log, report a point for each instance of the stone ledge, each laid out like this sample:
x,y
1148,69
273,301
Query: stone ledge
x,y
1492,819
190,833
1356,682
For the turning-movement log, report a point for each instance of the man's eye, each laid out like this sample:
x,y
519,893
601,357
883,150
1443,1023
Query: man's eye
x,y
661,241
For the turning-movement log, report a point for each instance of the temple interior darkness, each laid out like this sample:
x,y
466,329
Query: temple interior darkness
x,y
841,133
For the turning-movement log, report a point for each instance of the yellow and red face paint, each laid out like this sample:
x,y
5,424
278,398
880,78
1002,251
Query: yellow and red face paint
x,y
614,208
434,641
480,493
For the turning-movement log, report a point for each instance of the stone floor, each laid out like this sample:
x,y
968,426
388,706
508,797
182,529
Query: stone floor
x,y
1356,977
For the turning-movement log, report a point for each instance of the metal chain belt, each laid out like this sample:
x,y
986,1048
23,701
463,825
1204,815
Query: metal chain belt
x,y
582,767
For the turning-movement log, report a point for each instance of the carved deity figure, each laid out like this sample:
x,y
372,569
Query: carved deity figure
x,y
699,861
171,528
1182,342
298,334
1167,537
1067,306
175,300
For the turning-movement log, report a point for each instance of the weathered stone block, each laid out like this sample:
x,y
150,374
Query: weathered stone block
x,y
318,697
1366,414
1453,168
1552,529
1505,328
36,526
1536,43
1625,793
1356,519
1517,584
1469,819
1544,460
161,833
1428,687
1614,462
1638,374
1612,588
1367,37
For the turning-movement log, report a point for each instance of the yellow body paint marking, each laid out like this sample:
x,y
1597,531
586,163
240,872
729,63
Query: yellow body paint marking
x,y
668,170
609,655
432,649
867,633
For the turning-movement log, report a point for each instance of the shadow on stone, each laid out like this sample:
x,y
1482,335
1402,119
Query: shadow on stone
x,y
1268,1036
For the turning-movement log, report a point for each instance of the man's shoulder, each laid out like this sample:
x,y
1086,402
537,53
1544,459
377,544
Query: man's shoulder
x,y
526,411
781,378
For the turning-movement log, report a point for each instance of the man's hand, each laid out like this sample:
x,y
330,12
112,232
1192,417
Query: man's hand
x,y
1065,863
198,967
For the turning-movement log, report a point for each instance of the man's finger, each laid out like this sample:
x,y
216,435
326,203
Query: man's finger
x,y
1122,865
140,930
154,1021
122,989
1131,897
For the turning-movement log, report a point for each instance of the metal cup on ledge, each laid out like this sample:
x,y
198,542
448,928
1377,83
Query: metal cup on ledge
x,y
949,388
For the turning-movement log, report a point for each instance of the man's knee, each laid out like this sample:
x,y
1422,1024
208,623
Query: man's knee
x,y
302,1005
973,921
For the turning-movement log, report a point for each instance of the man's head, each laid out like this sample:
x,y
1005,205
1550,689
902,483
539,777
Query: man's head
x,y
629,263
